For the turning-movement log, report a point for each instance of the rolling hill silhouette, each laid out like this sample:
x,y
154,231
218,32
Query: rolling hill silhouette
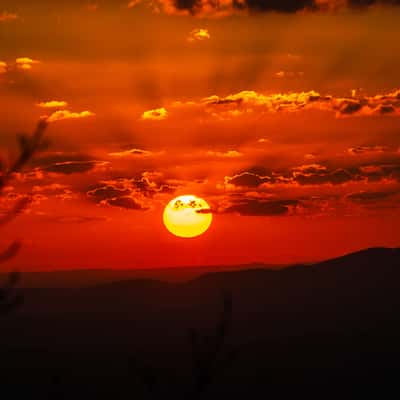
x,y
335,323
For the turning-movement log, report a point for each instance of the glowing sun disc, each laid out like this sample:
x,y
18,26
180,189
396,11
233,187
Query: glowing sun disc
x,y
187,216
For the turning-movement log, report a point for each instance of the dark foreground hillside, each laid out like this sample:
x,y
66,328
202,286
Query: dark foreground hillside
x,y
327,330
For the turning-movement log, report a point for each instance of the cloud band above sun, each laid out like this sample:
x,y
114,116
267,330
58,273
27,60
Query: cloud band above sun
x,y
222,8
249,102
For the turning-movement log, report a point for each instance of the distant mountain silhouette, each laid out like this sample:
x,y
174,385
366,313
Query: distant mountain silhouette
x,y
77,278
362,281
334,324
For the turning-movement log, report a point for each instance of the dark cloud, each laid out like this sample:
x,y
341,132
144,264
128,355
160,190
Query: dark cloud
x,y
257,207
316,174
247,179
66,163
126,202
286,6
336,177
75,219
350,107
70,167
367,149
131,193
364,196
107,192
222,7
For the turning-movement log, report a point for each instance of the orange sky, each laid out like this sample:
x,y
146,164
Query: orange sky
x,y
284,116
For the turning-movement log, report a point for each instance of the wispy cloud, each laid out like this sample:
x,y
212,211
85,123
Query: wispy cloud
x,y
7,16
66,114
53,104
132,153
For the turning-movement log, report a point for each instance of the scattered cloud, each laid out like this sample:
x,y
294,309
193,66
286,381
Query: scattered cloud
x,y
199,34
126,202
71,167
53,104
222,8
7,16
133,3
25,63
131,193
311,175
132,153
246,179
261,207
66,114
157,114
289,74
357,150
226,154
3,67
250,102
366,197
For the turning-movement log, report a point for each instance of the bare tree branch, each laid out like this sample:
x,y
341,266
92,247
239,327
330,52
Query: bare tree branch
x,y
28,146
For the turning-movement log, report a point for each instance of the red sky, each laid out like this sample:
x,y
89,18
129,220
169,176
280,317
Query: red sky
x,y
284,116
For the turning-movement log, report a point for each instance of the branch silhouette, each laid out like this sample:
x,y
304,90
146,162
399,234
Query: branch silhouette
x,y
210,358
28,146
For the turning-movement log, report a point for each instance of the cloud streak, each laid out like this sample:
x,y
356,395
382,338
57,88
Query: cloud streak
x,y
250,102
223,8
7,16
66,114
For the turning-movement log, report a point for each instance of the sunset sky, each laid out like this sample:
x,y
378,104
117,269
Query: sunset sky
x,y
283,115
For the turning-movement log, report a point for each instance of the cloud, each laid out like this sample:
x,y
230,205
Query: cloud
x,y
133,3
335,177
127,203
226,154
71,167
246,179
157,114
310,175
259,207
366,197
66,114
289,74
53,104
25,63
3,67
199,34
357,150
62,163
132,153
132,193
7,16
249,102
75,219
222,8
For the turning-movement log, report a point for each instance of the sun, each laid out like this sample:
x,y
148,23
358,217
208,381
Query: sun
x,y
187,216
